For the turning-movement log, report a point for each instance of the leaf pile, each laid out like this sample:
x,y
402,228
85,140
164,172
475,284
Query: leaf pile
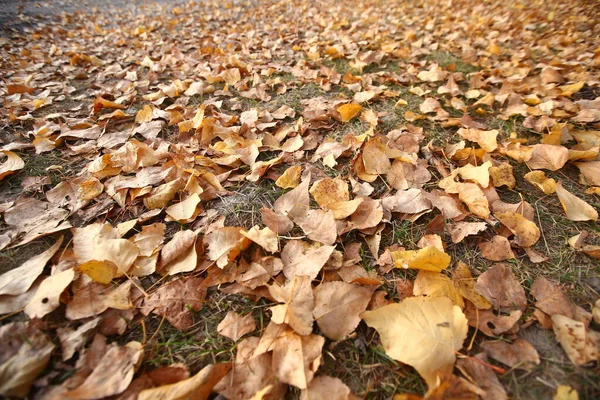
x,y
335,110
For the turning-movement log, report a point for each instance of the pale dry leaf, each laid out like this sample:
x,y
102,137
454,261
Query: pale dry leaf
x,y
472,195
12,163
422,332
47,297
478,373
318,225
546,156
296,358
575,340
72,340
575,208
18,280
184,210
460,230
327,191
265,238
337,307
225,244
295,197
541,181
234,326
590,172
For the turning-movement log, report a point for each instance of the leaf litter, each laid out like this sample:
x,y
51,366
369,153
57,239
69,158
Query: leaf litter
x,y
397,184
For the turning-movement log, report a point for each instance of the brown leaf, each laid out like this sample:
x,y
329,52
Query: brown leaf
x,y
234,326
501,288
47,297
12,163
546,156
459,230
497,249
520,354
72,340
198,387
552,300
112,375
301,259
175,301
489,323
295,197
325,387
25,353
482,376
403,175
278,223
91,299
337,307
298,302
318,225
225,244
296,358
375,159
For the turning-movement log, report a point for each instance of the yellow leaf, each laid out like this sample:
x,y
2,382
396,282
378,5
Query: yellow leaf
x,y
290,178
144,115
266,238
575,208
502,175
527,233
423,332
99,271
13,163
540,181
570,90
429,259
349,111
184,210
564,392
480,175
465,285
327,191
434,284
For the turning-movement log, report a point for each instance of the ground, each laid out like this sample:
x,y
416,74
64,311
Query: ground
x,y
110,106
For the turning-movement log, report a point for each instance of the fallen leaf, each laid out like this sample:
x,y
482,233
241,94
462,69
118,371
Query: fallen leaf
x,y
301,259
479,174
47,297
184,210
327,191
318,225
25,353
225,244
298,302
575,208
112,375
540,181
296,358
429,259
478,373
526,232
485,139
18,280
590,172
501,288
99,271
349,111
575,340
234,326
459,230
266,238
198,387
497,249
295,197
12,163
520,354
325,387
565,392
465,285
434,284
337,307
72,340
472,195
546,156
176,300
290,178
422,332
